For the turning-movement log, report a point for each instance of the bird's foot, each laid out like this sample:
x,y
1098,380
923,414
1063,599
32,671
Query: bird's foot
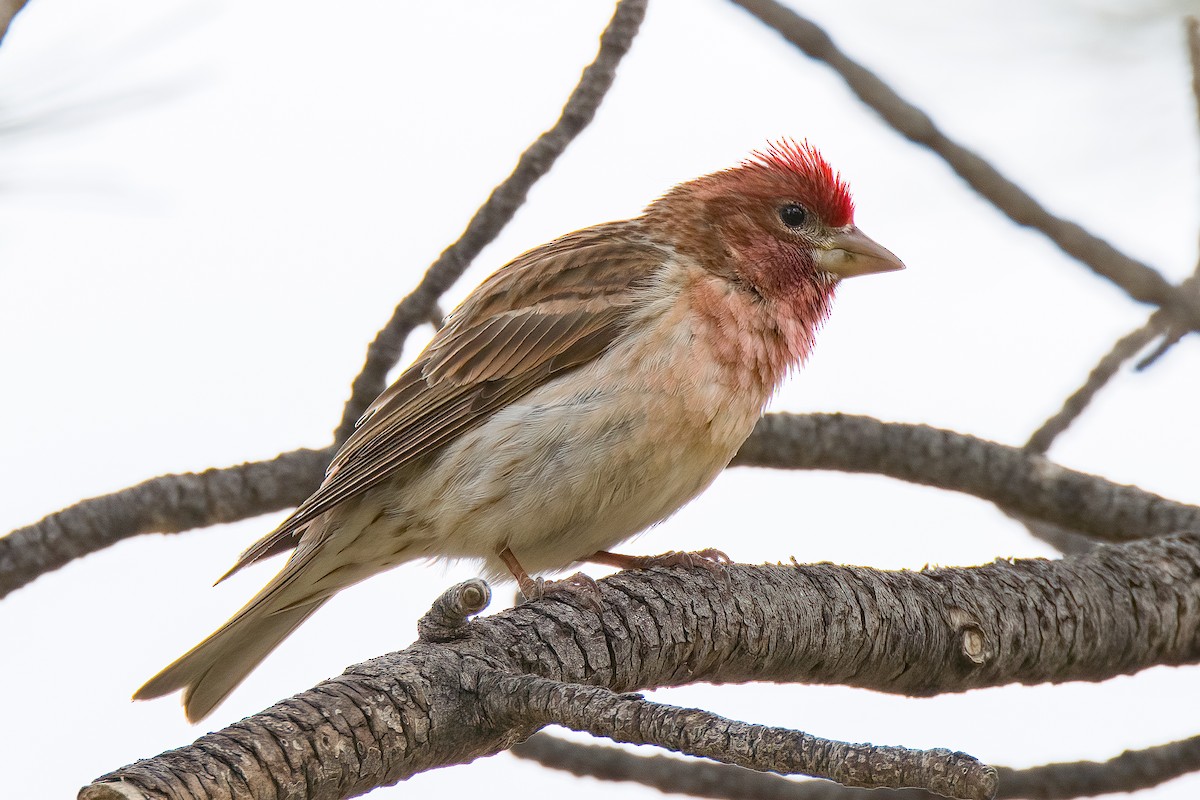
x,y
711,559
577,586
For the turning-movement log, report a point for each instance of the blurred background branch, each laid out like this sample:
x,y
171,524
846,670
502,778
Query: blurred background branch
x,y
8,10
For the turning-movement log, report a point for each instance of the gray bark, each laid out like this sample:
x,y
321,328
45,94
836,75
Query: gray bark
x,y
1091,617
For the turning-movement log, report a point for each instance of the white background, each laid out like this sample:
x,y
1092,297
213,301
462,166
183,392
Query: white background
x,y
207,209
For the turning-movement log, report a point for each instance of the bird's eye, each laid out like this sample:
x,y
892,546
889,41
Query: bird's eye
x,y
792,215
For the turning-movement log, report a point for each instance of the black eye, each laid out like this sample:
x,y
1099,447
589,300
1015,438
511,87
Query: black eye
x,y
792,215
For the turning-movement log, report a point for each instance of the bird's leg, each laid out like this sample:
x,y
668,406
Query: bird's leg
x,y
710,559
533,588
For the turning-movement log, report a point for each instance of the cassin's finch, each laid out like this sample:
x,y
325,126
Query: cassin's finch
x,y
582,393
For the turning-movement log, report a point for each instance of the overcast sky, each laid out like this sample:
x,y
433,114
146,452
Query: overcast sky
x,y
207,209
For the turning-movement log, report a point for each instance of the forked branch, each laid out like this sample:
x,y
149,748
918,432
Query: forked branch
x,y
1114,611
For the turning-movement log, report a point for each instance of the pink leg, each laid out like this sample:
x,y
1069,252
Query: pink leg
x,y
533,588
710,559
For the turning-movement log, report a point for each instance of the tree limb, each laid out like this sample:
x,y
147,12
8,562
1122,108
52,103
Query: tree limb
x,y
1020,482
632,719
1124,349
166,504
1114,611
1128,772
1016,480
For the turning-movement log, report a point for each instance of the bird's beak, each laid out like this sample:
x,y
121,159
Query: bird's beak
x,y
851,252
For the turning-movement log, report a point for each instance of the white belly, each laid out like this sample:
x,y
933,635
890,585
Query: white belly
x,y
578,465
558,478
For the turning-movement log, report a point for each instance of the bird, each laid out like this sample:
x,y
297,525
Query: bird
x,y
582,393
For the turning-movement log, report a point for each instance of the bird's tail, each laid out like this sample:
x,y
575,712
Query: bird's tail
x,y
212,669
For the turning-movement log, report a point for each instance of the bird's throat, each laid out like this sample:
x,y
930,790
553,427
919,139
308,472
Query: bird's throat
x,y
757,340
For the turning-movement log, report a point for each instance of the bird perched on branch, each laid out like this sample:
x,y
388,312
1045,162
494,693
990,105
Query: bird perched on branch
x,y
582,393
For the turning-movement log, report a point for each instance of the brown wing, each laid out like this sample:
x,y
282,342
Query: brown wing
x,y
548,311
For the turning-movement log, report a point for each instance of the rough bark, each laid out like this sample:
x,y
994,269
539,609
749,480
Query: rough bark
x,y
1114,611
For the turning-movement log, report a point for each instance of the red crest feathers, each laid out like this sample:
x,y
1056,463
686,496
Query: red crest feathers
x,y
816,180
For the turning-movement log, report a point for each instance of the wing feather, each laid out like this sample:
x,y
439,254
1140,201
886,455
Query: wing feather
x,y
548,311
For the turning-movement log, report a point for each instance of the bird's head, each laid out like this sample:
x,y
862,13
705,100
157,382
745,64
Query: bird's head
x,y
779,225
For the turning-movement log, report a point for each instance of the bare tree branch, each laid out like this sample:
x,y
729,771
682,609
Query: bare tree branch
x,y
1128,772
166,504
1138,279
1192,26
1128,346
1017,481
494,214
8,10
1023,483
634,720
1061,538
1124,349
1111,612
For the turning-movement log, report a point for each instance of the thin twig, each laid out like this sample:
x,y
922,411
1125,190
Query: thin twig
x,y
1125,348
1192,25
494,214
1138,279
632,719
1128,772
1177,332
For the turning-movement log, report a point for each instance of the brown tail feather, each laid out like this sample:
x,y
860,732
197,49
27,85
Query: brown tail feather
x,y
212,669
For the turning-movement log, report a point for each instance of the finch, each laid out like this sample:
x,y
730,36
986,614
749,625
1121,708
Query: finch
x,y
579,395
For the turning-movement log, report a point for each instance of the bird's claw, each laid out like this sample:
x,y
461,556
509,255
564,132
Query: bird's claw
x,y
578,586
710,559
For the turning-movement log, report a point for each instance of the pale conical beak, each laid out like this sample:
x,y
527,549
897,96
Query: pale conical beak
x,y
853,253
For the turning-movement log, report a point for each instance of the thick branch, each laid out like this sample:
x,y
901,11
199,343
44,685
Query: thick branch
x,y
1111,612
1017,481
1138,279
494,214
632,719
1128,772
166,504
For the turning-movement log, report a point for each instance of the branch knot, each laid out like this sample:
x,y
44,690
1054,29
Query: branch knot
x,y
447,620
